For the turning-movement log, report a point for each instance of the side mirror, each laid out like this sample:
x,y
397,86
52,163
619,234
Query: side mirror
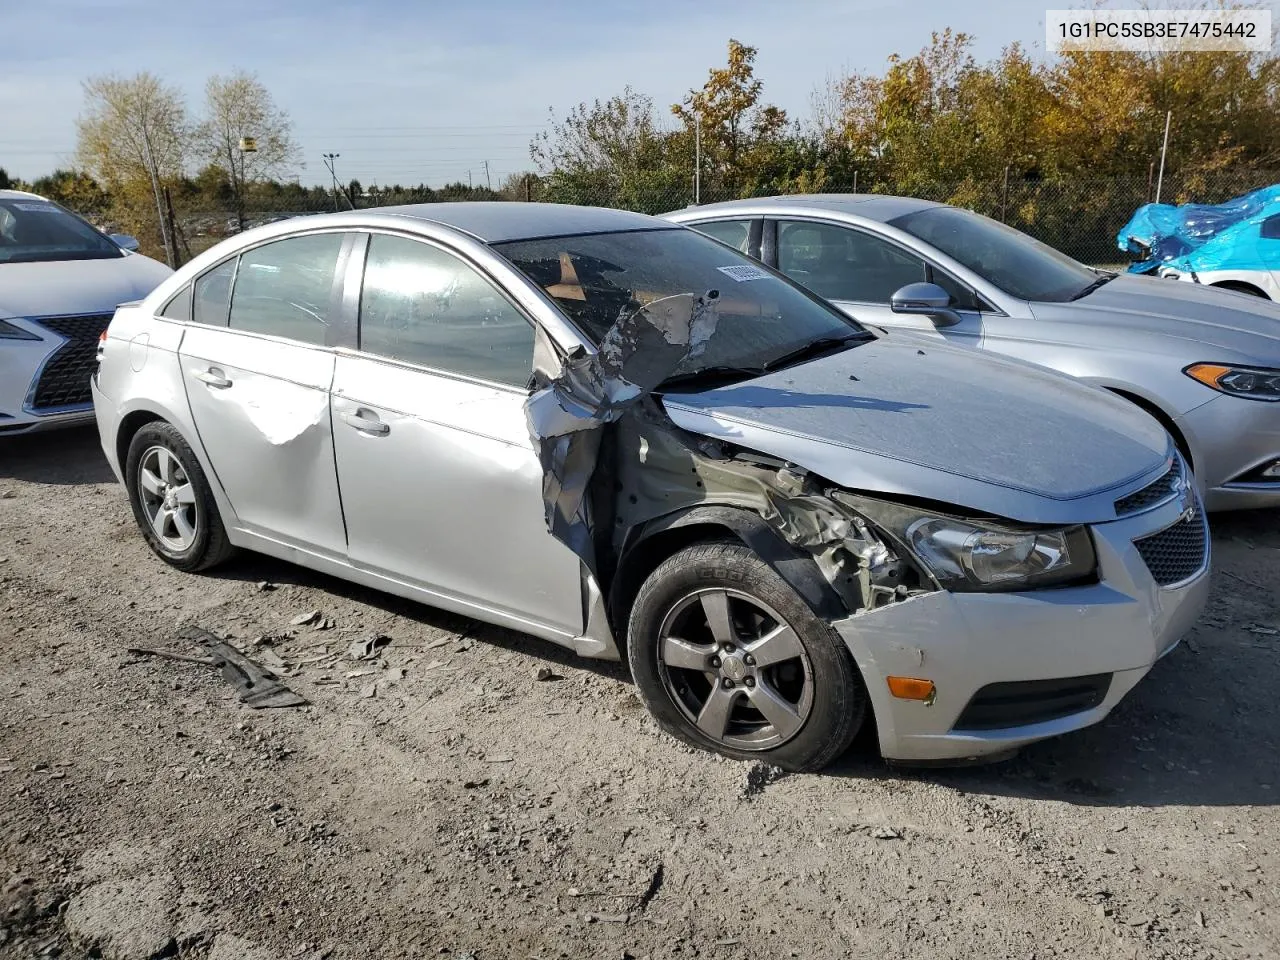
x,y
927,299
125,242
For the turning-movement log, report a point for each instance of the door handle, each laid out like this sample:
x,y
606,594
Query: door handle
x,y
366,424
213,377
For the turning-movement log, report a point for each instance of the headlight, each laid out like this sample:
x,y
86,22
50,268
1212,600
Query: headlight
x,y
1252,383
970,556
9,332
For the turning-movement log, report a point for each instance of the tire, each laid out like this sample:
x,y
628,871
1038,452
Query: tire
x,y
685,675
190,536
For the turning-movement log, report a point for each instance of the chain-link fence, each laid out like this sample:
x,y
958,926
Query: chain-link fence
x,y
1079,215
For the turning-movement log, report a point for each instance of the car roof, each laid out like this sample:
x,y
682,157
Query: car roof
x,y
497,221
873,206
20,195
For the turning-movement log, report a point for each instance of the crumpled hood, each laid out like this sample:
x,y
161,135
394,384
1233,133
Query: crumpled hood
x,y
66,287
1236,326
910,417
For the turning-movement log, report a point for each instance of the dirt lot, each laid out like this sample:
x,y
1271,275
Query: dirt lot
x,y
446,802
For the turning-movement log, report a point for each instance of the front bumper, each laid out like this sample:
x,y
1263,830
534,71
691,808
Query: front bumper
x,y
965,641
44,382
1232,437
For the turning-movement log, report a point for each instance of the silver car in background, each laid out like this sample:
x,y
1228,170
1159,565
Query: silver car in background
x,y
60,282
788,525
1204,362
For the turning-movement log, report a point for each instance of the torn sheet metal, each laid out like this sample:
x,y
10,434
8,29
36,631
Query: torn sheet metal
x,y
258,687
657,468
566,417
1200,236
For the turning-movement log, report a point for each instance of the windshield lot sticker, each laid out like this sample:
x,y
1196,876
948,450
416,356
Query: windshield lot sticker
x,y
35,206
744,272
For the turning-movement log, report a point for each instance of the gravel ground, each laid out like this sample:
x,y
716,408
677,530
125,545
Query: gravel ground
x,y
442,800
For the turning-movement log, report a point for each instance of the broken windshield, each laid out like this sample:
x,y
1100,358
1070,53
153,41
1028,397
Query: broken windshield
x,y
598,278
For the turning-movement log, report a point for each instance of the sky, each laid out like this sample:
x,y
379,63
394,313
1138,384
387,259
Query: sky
x,y
427,91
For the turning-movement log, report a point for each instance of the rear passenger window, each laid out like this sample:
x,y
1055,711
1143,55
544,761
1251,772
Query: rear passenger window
x,y
283,288
736,233
213,295
179,305
425,306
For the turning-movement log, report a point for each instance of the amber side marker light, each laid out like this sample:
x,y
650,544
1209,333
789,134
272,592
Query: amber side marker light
x,y
909,688
1208,373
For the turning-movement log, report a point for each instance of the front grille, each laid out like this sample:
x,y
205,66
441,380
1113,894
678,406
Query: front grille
x,y
64,381
1177,552
1158,490
1021,702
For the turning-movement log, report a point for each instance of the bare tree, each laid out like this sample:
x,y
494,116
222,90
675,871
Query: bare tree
x,y
133,137
240,113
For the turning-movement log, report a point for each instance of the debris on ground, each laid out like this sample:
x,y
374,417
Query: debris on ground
x,y
368,648
302,619
171,655
258,687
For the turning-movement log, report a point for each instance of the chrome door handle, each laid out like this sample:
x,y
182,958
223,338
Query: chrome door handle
x,y
213,377
369,424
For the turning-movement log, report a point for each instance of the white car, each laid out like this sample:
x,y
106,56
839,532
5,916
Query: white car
x,y
60,282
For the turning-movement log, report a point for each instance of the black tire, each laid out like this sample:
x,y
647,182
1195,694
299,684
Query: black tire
x,y
836,704
209,545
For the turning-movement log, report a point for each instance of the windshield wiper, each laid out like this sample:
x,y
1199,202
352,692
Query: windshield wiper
x,y
1102,278
702,375
816,348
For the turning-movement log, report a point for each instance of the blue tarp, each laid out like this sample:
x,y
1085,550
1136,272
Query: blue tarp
x,y
1200,236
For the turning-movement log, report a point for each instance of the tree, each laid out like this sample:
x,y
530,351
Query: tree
x,y
5,182
133,137
736,127
610,152
238,108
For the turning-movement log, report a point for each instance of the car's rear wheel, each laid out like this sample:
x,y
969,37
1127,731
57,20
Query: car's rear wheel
x,y
729,658
171,500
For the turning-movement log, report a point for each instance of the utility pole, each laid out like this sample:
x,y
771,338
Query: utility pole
x,y
697,158
1163,150
487,182
328,162
468,180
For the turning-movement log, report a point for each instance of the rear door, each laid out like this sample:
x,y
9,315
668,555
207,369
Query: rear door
x,y
441,486
859,272
257,364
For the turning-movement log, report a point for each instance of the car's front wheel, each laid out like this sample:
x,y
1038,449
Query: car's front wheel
x,y
728,657
172,501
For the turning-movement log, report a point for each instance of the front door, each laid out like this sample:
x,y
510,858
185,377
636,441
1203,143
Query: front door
x,y
257,374
441,486
859,272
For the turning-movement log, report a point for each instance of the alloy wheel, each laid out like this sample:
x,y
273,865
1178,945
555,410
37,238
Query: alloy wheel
x,y
736,669
168,499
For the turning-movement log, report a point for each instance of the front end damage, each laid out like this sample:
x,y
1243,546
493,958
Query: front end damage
x,y
1005,665
618,471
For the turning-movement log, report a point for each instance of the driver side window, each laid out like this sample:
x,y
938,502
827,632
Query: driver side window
x,y
838,263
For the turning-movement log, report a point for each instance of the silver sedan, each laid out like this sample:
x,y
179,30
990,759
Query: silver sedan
x,y
617,434
1204,362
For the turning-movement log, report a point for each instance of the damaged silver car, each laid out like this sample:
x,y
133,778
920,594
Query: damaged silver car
x,y
622,436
